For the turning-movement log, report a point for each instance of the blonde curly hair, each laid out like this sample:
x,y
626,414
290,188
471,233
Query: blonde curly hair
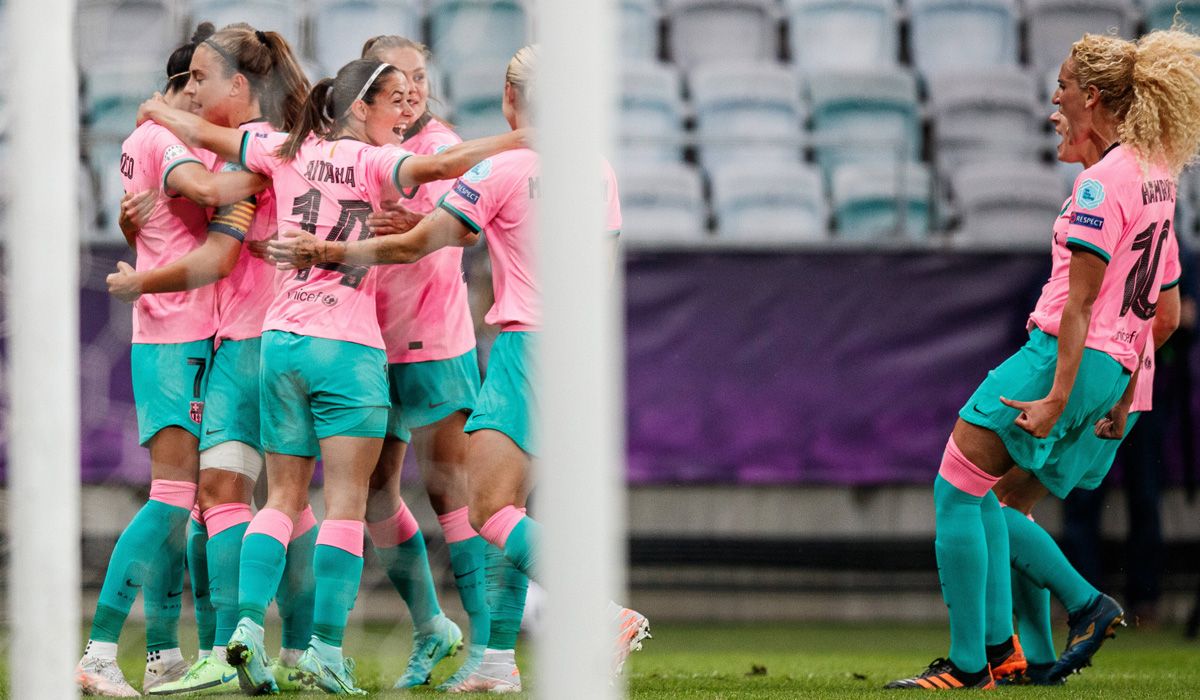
x,y
522,72
1152,87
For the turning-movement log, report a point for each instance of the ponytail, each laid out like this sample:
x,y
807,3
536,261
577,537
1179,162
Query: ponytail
x,y
315,117
267,62
179,64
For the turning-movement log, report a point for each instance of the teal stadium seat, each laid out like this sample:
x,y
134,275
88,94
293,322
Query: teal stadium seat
x,y
1053,25
283,16
874,201
1013,203
747,111
476,32
989,113
961,35
662,204
769,203
859,116
477,93
703,31
1161,13
651,113
637,30
829,34
112,97
339,27
119,32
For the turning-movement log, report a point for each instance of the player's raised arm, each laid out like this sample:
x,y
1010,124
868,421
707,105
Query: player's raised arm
x,y
296,250
192,129
459,158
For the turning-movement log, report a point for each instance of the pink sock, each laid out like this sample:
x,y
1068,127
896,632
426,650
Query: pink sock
x,y
304,522
346,535
221,518
457,525
181,494
272,523
498,527
963,475
397,529
196,514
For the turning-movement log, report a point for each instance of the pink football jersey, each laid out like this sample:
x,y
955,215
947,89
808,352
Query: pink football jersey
x,y
176,227
1124,217
497,198
328,190
423,309
1143,393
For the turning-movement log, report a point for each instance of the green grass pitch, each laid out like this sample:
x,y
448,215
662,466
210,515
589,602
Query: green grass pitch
x,y
769,662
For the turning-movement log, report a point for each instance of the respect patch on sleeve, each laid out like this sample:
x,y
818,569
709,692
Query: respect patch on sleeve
x,y
463,190
1088,220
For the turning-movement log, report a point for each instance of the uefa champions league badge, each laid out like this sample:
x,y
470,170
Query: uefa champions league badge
x,y
1089,195
232,168
172,152
480,172
196,412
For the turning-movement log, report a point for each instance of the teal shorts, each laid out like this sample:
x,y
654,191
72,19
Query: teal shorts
x,y
423,393
507,402
1027,376
231,403
314,388
1095,457
169,383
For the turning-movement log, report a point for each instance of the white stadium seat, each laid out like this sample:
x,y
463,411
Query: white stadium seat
x,y
824,34
769,203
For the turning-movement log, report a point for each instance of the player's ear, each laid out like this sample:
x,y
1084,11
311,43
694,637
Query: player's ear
x,y
239,85
359,109
1093,97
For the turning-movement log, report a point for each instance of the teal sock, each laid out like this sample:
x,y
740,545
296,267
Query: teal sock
x,y
259,572
998,615
197,564
522,544
1031,603
224,563
337,573
296,591
962,567
506,587
133,562
163,594
1037,555
407,565
467,562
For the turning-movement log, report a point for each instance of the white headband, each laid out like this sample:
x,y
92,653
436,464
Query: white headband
x,y
367,85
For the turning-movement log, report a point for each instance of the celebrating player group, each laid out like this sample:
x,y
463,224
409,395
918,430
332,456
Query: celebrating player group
x,y
298,293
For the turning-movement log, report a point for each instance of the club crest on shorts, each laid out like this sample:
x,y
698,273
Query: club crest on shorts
x,y
196,412
1089,195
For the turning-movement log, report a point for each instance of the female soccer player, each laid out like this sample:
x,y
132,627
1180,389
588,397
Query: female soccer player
x,y
323,377
172,349
496,197
433,381
1137,103
1039,566
247,79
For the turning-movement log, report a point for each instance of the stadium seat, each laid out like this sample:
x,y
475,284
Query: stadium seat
x,y
1161,13
283,16
637,30
661,203
1053,25
651,113
747,111
881,200
477,93
986,113
824,34
112,98
864,116
1005,203
722,30
339,27
115,32
769,203
962,34
476,32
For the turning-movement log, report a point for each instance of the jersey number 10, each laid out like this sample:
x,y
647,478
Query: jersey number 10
x,y
352,213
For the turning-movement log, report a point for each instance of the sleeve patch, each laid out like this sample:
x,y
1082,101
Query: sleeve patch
x,y
463,190
172,152
1090,194
1087,220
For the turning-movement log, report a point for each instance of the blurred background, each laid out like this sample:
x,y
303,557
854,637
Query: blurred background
x,y
837,217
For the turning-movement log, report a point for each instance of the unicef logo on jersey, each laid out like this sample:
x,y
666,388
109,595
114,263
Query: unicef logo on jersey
x,y
480,172
1089,195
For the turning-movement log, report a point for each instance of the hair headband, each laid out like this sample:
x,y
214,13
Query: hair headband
x,y
368,84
